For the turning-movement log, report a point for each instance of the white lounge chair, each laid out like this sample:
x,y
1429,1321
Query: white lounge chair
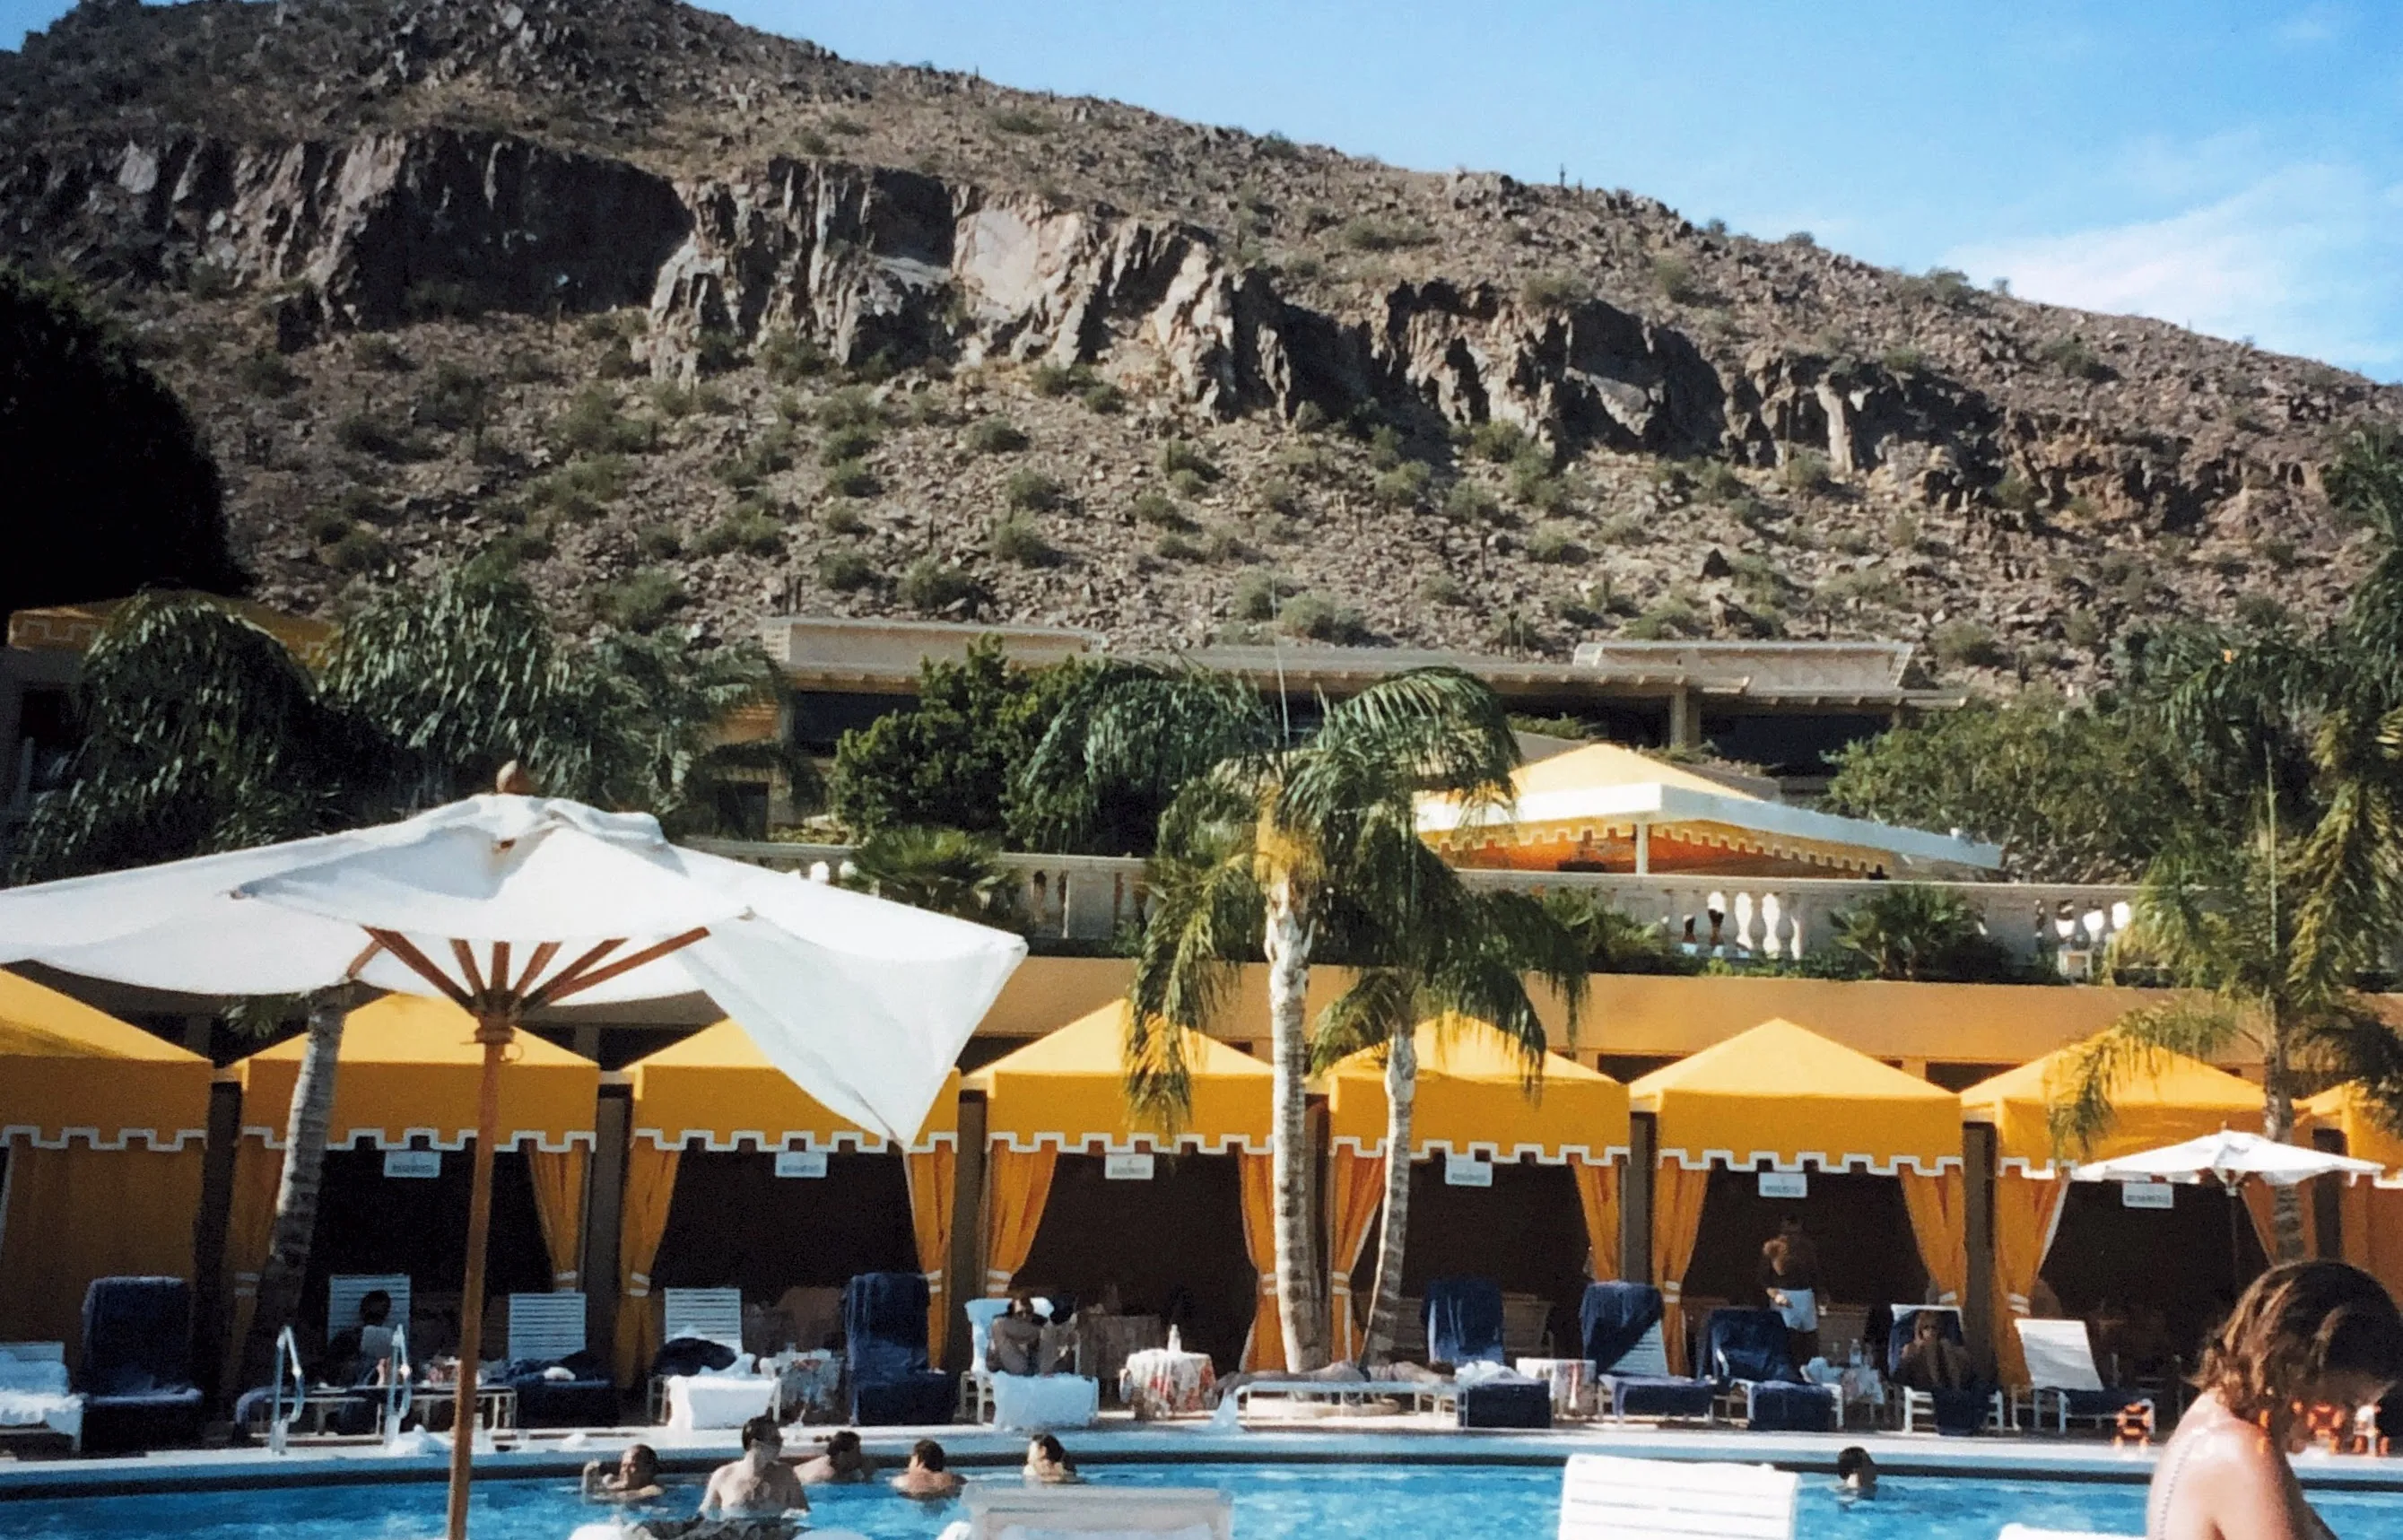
x,y
1917,1404
702,1316
35,1400
976,1386
544,1329
1420,1393
1609,1497
1095,1513
2061,1375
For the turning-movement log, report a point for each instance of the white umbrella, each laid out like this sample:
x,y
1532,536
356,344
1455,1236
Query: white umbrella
x,y
505,904
2230,1157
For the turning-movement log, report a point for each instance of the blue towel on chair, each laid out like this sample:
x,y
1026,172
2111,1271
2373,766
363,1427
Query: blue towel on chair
x,y
1779,1408
1464,1321
884,1325
1749,1345
1614,1317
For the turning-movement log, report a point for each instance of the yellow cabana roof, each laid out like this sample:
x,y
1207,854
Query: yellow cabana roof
x,y
1469,1099
68,1072
2181,1098
2347,1109
1782,1094
1586,806
409,1066
716,1086
1069,1089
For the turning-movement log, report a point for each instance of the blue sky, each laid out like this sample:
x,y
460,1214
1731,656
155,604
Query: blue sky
x,y
2232,165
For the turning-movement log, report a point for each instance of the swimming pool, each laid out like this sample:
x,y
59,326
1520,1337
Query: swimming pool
x,y
1365,1502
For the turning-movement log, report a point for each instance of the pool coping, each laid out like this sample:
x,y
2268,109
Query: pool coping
x,y
983,1449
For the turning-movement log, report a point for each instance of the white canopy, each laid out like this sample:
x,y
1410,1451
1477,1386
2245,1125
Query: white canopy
x,y
865,1004
2230,1157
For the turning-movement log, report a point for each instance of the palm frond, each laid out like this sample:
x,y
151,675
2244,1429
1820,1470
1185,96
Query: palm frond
x,y
1382,1004
2081,1111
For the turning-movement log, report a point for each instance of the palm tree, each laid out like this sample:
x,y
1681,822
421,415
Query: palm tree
x,y
946,870
1266,844
1460,959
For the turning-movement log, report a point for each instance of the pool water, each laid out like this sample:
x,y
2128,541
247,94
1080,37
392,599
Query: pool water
x,y
1367,1502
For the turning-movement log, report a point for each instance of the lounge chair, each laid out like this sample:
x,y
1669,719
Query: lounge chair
x,y
976,1385
344,1290
997,1512
1620,1326
1955,1411
700,1333
884,1344
1464,1321
35,1400
137,1364
2061,1375
1752,1358
1609,1497
545,1337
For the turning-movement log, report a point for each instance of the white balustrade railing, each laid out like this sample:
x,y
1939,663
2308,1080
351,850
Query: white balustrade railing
x,y
1091,897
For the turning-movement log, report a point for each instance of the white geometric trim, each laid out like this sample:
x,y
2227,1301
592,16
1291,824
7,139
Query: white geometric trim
x,y
387,1139
30,1134
1543,1154
1184,1143
1831,1164
2034,1170
857,1141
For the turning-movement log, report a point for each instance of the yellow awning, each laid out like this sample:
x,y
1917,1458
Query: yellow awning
x,y
717,1086
2181,1098
2346,1109
1785,1094
1470,1097
70,1071
1069,1089
409,1065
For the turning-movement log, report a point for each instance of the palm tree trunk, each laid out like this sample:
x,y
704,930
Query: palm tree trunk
x,y
1401,1100
296,1195
1285,941
2277,1122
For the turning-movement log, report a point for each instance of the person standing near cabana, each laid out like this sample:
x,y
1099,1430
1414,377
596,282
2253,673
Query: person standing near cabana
x,y
1789,1275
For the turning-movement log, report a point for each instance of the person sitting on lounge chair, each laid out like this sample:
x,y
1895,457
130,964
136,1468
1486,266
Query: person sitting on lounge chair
x,y
928,1479
635,1478
758,1486
1014,1343
841,1459
361,1355
1933,1361
1047,1461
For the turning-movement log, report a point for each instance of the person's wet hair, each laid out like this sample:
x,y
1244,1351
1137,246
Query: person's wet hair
x,y
1053,1452
928,1454
845,1442
1854,1461
646,1461
2299,1324
762,1430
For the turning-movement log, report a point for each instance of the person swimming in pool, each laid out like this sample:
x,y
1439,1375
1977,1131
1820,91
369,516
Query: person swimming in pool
x,y
842,1460
1047,1461
759,1485
635,1478
928,1477
1856,1474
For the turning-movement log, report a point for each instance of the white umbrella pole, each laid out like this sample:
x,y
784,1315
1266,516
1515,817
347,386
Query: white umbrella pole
x,y
495,1033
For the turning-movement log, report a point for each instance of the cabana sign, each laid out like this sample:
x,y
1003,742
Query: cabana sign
x,y
809,1164
1785,1183
417,1165
2147,1195
1128,1167
1467,1170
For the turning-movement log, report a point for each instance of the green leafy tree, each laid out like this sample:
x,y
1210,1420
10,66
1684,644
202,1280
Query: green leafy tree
x,y
1270,844
109,487
949,760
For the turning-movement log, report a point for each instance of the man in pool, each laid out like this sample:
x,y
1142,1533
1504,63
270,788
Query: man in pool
x,y
928,1479
1855,1472
758,1486
635,1478
841,1459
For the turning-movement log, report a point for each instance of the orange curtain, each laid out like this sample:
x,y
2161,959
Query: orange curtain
x,y
250,1225
1357,1184
78,1214
1266,1349
650,1188
1940,1222
559,1205
2026,1210
1597,1187
1677,1195
2370,1226
1017,1184
932,1189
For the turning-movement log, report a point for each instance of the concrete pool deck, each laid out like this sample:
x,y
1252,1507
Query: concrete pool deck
x,y
1121,1441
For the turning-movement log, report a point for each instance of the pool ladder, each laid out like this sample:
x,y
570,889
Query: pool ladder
x,y
399,1390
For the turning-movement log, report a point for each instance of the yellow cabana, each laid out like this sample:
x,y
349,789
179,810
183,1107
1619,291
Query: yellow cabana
x,y
1472,1099
103,1126
1065,1093
718,1088
2176,1099
1783,1094
2370,1212
1603,808
408,1071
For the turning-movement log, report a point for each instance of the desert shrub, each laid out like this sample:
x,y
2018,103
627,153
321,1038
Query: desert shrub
x,y
2074,357
582,488
1019,120
1467,503
1802,238
659,542
2277,550
1442,588
1555,544
1553,291
1177,547
1946,286
1159,510
930,587
1674,278
843,519
813,143
1516,631
375,432
1031,491
1258,593
1178,456
263,371
2082,628
324,526
593,425
675,400
375,351
1718,481
1058,380
750,529
454,397
853,480
1403,486
1370,233
1623,529
1015,537
1499,442
843,126
788,357
1905,359
1862,585
996,435
1276,147
2261,612
641,601
851,406
846,443
1103,397
1310,417
1804,471
714,351
2016,492
1319,620
358,550
846,569
1965,643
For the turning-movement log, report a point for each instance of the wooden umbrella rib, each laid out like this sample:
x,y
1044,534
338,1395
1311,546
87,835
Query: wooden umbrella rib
x,y
418,963
534,994
465,953
572,982
534,964
501,969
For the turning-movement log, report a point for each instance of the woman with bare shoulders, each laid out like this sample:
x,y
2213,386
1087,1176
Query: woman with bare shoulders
x,y
2306,1336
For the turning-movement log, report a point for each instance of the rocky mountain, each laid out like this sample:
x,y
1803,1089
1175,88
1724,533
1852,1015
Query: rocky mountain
x,y
698,323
